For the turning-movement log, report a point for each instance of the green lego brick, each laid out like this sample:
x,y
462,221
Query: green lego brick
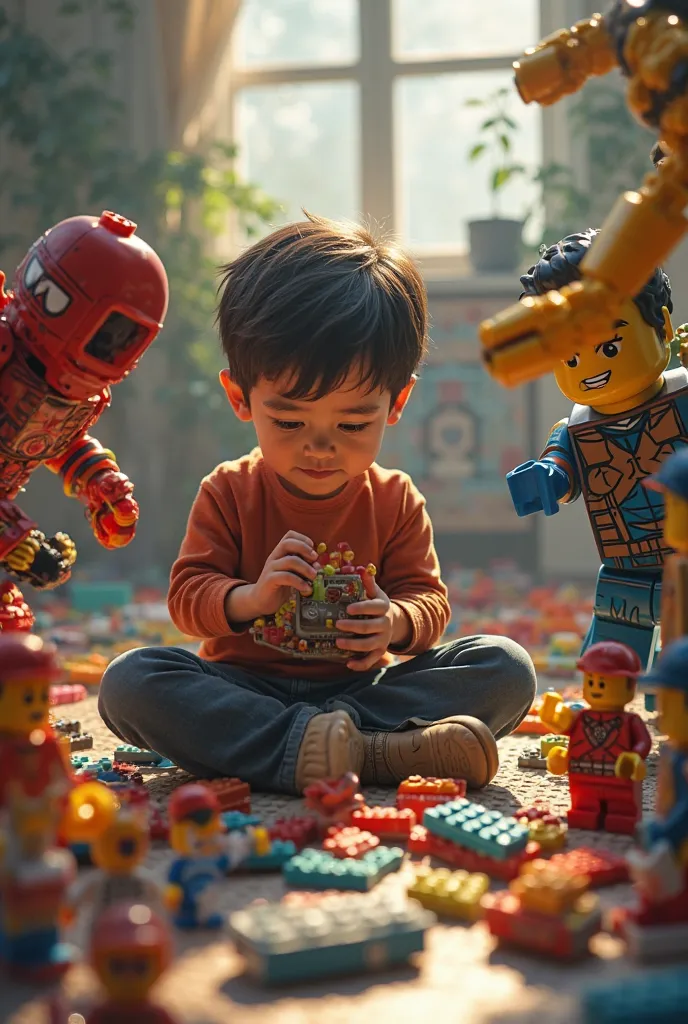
x,y
472,826
340,934
318,869
281,851
129,754
98,597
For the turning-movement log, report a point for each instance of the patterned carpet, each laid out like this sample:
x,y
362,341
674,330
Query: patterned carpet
x,y
461,977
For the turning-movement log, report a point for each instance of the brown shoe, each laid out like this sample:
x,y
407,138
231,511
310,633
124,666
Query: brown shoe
x,y
331,746
460,747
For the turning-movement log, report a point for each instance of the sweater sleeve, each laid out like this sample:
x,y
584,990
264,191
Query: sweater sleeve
x,y
206,569
410,574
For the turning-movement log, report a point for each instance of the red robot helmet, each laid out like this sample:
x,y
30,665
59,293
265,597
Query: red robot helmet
x,y
188,800
611,659
89,298
26,656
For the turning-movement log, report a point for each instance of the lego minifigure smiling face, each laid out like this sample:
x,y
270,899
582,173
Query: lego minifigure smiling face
x,y
24,706
606,692
620,369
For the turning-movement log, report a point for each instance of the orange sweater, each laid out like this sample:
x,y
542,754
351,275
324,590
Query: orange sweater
x,y
240,514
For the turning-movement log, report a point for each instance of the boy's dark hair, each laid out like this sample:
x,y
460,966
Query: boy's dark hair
x,y
559,266
317,299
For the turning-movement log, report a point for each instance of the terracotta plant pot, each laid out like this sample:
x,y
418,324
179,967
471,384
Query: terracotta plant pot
x,y
495,244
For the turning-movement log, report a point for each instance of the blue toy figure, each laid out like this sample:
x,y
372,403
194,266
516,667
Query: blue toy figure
x,y
631,414
196,834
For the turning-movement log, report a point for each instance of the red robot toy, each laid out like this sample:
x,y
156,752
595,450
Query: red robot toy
x,y
607,744
88,299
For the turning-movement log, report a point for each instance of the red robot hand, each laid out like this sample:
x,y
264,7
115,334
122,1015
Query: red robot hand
x,y
110,508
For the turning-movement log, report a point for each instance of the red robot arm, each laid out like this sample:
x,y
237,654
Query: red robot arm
x,y
91,474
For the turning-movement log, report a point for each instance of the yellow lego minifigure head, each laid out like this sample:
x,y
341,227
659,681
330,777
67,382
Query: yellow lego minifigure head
x,y
672,480
195,823
123,845
626,369
610,674
27,667
130,947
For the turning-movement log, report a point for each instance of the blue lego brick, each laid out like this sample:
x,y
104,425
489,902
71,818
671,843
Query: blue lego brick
x,y
341,934
642,999
281,851
235,820
318,869
472,826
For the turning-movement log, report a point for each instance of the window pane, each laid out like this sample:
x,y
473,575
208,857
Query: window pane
x,y
465,28
300,143
296,32
439,189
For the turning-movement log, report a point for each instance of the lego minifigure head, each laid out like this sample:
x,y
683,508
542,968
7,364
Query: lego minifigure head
x,y
194,819
27,667
621,369
610,674
669,676
323,327
123,845
672,480
130,947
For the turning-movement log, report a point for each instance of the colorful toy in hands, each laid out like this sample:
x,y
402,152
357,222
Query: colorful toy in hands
x,y
630,411
647,39
607,745
88,299
197,837
306,626
659,926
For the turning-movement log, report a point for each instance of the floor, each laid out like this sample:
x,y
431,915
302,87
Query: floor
x,y
460,978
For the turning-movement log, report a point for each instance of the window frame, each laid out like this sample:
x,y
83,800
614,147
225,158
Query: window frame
x,y
375,73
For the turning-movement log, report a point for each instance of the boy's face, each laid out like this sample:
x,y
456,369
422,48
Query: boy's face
x,y
316,447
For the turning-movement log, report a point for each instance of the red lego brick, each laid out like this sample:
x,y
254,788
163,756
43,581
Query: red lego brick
x,y
565,937
158,822
386,822
67,693
602,866
539,812
418,793
532,726
349,842
232,793
423,842
300,830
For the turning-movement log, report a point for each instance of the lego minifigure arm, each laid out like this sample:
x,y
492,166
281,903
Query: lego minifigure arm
x,y
641,739
542,485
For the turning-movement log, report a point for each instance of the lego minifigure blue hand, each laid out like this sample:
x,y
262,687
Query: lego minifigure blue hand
x,y
537,487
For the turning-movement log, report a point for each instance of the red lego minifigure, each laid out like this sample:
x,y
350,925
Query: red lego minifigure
x,y
89,298
607,745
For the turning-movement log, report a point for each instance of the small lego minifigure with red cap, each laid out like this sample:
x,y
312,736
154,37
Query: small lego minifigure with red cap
x,y
130,948
196,833
607,744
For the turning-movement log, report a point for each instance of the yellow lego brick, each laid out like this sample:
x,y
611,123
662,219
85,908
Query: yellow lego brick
x,y
450,893
547,742
546,889
549,836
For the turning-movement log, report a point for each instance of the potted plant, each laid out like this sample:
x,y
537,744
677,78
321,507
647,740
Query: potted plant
x,y
495,243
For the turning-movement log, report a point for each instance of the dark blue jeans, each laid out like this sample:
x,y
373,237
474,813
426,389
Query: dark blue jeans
x,y
214,719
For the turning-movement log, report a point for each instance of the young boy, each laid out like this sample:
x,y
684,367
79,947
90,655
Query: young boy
x,y
323,329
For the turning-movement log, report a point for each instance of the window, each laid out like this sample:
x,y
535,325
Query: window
x,y
357,108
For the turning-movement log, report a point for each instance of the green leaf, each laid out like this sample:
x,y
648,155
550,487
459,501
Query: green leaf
x,y
474,102
505,142
477,150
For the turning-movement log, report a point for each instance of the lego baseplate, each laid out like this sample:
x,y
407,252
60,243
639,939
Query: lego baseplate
x,y
338,934
660,996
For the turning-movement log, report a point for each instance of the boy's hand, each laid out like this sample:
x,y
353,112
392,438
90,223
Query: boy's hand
x,y
377,629
288,566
